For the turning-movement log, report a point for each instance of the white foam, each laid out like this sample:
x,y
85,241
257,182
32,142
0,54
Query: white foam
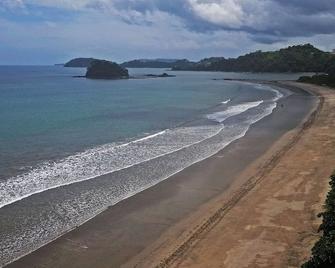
x,y
199,143
100,161
112,157
278,94
233,110
144,138
226,101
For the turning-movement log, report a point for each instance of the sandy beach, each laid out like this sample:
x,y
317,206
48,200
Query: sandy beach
x,y
272,221
254,204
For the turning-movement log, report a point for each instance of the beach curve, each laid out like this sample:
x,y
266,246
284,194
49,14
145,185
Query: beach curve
x,y
77,230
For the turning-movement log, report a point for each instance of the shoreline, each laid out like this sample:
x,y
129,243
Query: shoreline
x,y
279,223
40,256
208,216
175,257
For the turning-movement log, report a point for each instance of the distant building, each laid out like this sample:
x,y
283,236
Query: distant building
x,y
333,52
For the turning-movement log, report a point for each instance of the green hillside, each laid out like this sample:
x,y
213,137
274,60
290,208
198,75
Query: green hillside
x,y
301,58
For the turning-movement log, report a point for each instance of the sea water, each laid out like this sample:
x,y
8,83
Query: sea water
x,y
70,147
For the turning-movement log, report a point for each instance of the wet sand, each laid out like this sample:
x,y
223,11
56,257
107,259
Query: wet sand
x,y
153,226
274,223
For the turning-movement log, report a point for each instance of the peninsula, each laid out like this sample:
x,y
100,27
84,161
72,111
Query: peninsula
x,y
150,63
79,62
299,58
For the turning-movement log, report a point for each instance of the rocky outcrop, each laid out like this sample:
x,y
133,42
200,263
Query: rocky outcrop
x,y
102,69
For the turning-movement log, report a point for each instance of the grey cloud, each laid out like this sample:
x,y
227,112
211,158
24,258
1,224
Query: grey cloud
x,y
267,21
266,39
309,6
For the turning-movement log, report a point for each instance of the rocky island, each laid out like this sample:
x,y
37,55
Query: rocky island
x,y
102,69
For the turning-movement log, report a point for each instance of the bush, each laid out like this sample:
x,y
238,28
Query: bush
x,y
322,80
323,252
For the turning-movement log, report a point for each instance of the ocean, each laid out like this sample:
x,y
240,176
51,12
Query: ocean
x,y
60,135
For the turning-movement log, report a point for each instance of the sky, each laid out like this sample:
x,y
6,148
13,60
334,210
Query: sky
x,y
54,31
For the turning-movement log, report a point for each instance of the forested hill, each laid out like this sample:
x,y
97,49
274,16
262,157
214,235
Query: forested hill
x,y
147,63
80,62
301,58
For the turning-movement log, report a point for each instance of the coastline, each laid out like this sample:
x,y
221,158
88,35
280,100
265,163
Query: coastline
x,y
280,209
83,243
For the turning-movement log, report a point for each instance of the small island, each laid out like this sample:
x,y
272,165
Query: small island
x,y
102,69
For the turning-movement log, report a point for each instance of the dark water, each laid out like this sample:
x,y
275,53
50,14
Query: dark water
x,y
59,134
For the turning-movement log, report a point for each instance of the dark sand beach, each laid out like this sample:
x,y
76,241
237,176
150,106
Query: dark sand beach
x,y
154,226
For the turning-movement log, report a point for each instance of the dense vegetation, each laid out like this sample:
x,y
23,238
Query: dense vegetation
x,y
80,62
184,64
321,79
156,63
302,58
326,79
323,252
102,69
330,67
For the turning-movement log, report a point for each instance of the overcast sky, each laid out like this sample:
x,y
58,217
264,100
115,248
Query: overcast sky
x,y
53,31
